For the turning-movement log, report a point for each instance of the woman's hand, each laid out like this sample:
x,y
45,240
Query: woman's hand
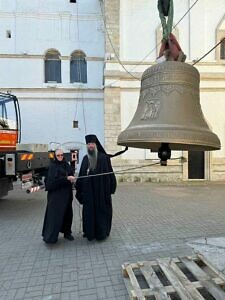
x,y
71,178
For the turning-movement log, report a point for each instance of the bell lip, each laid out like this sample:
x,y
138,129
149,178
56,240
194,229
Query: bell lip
x,y
177,146
178,140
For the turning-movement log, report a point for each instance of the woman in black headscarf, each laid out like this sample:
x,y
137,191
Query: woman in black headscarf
x,y
59,212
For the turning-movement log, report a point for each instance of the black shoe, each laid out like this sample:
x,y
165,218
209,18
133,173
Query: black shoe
x,y
100,239
69,237
50,242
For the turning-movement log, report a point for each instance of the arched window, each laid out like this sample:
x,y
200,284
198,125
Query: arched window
x,y
222,49
220,35
52,66
78,67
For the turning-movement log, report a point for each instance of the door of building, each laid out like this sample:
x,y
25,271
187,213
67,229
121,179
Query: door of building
x,y
196,165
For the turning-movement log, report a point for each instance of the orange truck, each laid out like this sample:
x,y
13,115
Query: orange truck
x,y
25,162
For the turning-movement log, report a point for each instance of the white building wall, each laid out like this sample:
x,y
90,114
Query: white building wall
x,y
139,21
61,113
48,110
213,106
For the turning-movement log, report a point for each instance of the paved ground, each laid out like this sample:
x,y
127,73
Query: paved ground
x,y
150,220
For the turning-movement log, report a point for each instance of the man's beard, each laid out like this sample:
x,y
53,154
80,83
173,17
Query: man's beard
x,y
92,157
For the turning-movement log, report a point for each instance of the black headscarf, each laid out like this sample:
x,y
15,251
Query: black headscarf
x,y
92,138
57,170
61,164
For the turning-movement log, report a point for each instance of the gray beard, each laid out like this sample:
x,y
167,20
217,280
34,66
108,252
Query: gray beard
x,y
92,158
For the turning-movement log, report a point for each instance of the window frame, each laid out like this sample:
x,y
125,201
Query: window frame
x,y
78,67
52,67
222,49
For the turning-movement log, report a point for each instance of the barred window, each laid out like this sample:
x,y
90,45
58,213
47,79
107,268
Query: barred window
x,y
222,49
53,66
78,67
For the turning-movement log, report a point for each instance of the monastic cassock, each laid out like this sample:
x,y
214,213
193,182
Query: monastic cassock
x,y
59,212
95,195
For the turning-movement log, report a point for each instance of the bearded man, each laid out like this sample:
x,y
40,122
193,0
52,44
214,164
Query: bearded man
x,y
94,192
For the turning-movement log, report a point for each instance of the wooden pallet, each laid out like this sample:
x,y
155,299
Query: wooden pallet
x,y
182,278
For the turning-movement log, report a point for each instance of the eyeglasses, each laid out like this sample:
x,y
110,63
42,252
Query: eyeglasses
x,y
58,155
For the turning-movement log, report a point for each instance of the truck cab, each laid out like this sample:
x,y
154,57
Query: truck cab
x,y
10,122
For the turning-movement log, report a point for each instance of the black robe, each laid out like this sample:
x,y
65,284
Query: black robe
x,y
59,211
95,195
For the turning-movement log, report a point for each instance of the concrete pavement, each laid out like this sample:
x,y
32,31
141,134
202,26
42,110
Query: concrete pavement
x,y
150,221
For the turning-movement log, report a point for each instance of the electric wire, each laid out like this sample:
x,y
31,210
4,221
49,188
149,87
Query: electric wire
x,y
80,215
79,59
185,14
77,16
124,170
197,61
76,111
111,43
153,49
83,109
72,58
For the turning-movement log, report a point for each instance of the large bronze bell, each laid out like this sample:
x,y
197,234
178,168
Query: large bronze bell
x,y
169,114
